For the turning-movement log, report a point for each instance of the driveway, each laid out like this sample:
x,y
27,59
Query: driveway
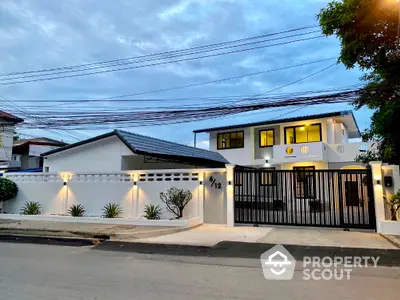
x,y
209,235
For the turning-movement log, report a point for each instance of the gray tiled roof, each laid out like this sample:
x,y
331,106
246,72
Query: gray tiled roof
x,y
276,121
141,144
148,144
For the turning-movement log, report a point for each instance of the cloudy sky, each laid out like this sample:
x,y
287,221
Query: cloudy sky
x,y
39,34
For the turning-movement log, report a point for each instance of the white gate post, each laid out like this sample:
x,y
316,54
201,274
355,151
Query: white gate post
x,y
230,205
376,167
201,191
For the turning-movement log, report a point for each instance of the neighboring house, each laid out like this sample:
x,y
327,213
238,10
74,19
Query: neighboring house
x,y
7,128
310,142
26,152
120,150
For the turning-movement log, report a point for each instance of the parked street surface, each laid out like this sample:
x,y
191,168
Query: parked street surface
x,y
54,272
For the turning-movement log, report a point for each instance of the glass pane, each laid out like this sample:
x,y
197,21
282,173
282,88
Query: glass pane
x,y
267,138
223,141
263,138
236,140
314,133
220,138
301,134
270,138
227,141
289,135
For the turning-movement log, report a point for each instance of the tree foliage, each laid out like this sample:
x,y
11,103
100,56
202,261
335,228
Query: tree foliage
x,y
367,30
176,200
8,189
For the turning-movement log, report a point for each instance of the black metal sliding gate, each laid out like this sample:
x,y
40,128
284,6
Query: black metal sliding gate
x,y
330,198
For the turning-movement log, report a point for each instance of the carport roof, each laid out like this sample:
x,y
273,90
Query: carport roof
x,y
145,145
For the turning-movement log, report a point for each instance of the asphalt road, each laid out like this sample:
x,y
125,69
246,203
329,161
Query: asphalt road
x,y
58,272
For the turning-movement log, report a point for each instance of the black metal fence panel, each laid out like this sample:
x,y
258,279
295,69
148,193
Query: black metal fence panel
x,y
330,198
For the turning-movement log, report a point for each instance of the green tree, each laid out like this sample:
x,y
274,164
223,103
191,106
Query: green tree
x,y
367,30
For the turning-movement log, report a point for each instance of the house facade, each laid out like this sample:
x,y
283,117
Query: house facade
x,y
121,151
316,142
7,128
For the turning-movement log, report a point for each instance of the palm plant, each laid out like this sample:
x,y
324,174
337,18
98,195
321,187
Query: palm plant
x,y
112,210
76,210
152,212
31,208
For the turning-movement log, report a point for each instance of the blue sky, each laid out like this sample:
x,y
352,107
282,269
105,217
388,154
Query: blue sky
x,y
38,34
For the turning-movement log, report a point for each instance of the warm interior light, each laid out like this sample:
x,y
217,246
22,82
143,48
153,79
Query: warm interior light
x,y
302,128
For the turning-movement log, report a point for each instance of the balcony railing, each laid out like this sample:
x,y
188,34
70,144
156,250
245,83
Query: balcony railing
x,y
317,151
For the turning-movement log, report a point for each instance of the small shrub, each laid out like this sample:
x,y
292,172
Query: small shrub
x,y
152,212
31,208
112,210
176,200
76,210
8,189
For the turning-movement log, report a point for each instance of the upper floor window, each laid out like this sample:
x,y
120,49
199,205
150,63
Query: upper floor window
x,y
230,140
267,138
303,134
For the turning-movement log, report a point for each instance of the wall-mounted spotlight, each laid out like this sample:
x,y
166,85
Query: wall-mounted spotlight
x,y
230,182
201,182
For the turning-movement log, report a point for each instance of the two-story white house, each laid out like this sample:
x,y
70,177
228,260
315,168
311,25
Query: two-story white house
x,y
309,142
7,128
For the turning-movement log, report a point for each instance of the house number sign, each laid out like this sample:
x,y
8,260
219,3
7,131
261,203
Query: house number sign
x,y
214,183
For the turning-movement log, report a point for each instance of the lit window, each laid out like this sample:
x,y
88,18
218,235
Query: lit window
x,y
230,140
266,138
314,133
303,134
289,133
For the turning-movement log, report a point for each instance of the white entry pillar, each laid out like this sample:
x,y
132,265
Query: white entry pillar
x,y
376,167
230,205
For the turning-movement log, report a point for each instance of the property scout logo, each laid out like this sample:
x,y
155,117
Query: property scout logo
x,y
278,264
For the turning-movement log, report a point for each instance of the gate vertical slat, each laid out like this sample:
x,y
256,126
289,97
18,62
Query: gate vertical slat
x,y
323,197
329,189
283,196
363,200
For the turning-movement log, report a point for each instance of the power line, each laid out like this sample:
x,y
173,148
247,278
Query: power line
x,y
157,54
159,63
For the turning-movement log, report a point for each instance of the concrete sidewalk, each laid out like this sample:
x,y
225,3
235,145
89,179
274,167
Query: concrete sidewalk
x,y
210,235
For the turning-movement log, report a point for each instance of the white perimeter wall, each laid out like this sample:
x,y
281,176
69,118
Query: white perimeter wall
x,y
100,156
95,190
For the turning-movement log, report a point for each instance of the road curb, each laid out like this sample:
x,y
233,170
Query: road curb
x,y
48,240
395,242
249,250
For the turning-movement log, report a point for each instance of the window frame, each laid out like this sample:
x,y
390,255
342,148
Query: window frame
x,y
273,137
294,133
230,139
